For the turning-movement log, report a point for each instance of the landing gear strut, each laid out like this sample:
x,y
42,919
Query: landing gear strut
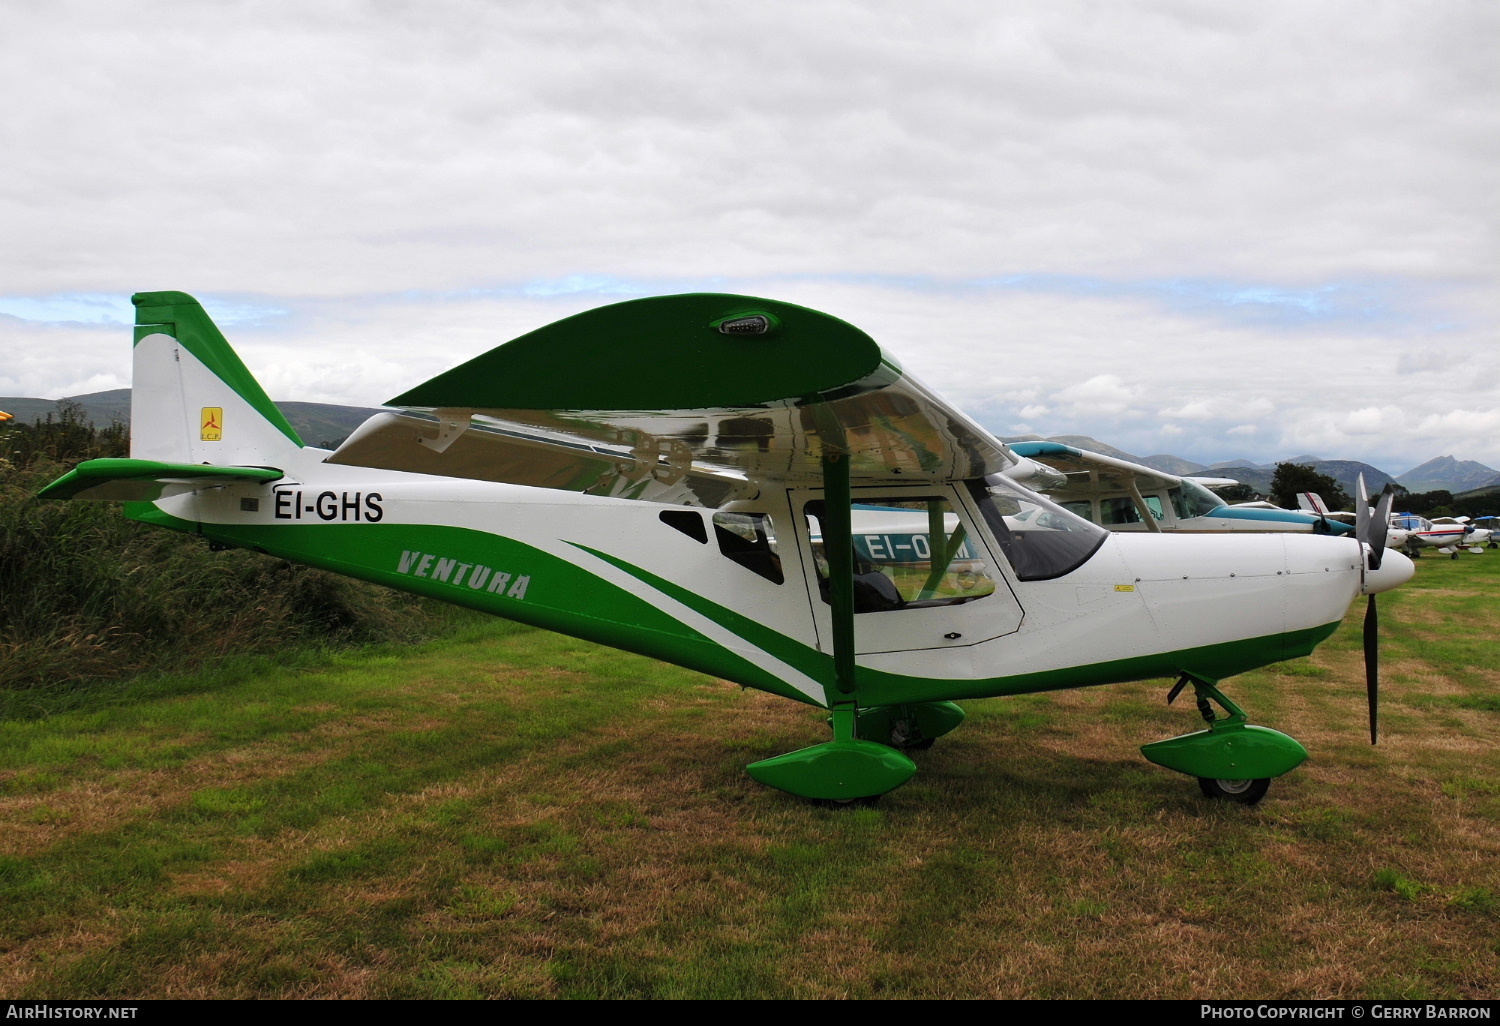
x,y
1232,759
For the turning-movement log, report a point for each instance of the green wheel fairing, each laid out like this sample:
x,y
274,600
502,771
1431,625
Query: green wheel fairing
x,y
561,595
1229,751
880,687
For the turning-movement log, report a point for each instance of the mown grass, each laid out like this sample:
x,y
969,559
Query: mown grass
x,y
506,812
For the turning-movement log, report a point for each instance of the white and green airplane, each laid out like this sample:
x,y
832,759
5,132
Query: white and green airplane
x,y
754,490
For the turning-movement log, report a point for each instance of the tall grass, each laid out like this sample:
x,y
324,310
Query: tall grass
x,y
87,595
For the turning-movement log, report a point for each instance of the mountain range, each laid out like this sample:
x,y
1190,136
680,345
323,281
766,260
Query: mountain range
x,y
1450,474
326,425
1444,472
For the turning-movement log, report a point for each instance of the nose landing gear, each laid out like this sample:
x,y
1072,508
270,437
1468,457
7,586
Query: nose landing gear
x,y
1232,759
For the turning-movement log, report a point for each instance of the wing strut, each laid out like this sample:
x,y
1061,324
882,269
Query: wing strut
x,y
1140,504
846,768
838,549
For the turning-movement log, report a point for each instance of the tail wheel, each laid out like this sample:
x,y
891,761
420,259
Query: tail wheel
x,y
1246,792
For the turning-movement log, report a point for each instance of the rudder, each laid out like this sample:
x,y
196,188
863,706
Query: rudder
x,y
193,400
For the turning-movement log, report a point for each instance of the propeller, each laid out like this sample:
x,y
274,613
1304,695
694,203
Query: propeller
x,y
1371,528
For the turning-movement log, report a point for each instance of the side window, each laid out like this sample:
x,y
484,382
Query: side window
x,y
749,540
908,554
1080,508
1153,503
1119,510
688,521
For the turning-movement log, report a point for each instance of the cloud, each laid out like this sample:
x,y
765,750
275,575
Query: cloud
x,y
1201,409
1259,220
1102,393
1460,424
1373,420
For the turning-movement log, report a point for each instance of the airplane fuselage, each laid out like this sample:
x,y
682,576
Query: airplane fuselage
x,y
618,572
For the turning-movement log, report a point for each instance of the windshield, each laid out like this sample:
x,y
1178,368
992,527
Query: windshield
x,y
1040,538
1191,499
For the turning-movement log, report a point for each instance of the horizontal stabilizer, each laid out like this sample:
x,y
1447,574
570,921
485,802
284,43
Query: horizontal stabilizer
x,y
147,480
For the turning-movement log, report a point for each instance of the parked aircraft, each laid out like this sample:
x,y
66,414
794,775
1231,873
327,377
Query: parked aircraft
x,y
684,476
1475,537
1125,496
1422,533
1492,525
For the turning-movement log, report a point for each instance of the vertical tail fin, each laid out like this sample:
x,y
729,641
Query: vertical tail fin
x,y
193,401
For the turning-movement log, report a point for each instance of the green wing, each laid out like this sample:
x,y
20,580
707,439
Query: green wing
x,y
728,393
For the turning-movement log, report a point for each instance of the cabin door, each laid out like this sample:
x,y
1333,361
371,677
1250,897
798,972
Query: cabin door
x,y
926,575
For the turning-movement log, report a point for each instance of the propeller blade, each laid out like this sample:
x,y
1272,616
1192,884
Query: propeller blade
x,y
1380,527
1372,665
1361,510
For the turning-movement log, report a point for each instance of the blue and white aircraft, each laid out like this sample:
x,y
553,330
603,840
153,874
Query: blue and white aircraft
x,y
1124,496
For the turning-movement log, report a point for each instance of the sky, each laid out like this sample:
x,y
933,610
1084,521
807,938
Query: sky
x,y
1213,229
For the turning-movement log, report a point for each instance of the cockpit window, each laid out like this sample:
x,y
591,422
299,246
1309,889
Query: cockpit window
x,y
1040,538
1191,499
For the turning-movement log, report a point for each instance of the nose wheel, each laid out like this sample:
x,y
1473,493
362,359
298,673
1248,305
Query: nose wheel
x,y
1232,759
1246,792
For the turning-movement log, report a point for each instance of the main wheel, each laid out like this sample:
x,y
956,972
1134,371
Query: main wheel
x,y
902,740
1246,792
848,803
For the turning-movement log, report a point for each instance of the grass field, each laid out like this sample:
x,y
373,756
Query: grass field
x,y
507,812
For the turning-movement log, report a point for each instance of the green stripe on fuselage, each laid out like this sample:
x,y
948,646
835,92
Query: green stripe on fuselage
x,y
879,687
557,595
564,597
